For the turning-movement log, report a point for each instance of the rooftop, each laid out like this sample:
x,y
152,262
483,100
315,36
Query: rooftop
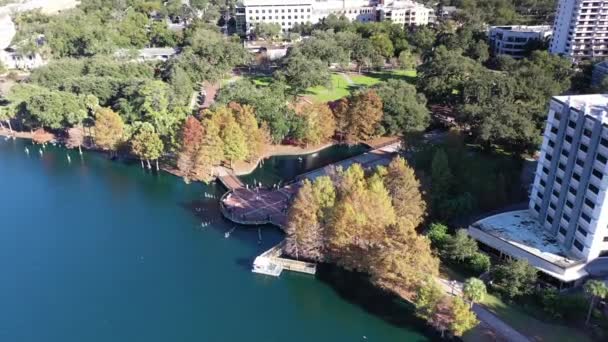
x,y
593,105
519,228
524,28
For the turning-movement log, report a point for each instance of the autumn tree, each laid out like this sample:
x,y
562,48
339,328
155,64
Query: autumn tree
x,y
362,212
108,129
75,138
365,113
319,124
191,139
256,136
428,296
304,231
463,319
146,144
405,191
235,144
210,153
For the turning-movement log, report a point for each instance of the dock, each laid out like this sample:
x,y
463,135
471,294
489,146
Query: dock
x,y
271,263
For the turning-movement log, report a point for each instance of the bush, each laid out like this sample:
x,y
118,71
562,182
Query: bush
x,y
515,278
479,263
438,234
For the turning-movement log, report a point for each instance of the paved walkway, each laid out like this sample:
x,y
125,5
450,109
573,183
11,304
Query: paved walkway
x,y
484,315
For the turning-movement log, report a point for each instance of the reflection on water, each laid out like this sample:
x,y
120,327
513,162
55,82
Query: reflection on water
x,y
285,168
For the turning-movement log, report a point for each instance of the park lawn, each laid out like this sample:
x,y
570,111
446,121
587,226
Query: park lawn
x,y
339,89
530,326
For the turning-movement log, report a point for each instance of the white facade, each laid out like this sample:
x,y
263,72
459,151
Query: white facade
x,y
569,191
404,12
564,231
512,40
287,13
15,60
581,29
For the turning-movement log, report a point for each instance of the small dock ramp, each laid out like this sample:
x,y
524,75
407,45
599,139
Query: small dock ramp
x,y
271,263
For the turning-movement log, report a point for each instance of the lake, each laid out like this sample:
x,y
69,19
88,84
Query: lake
x,y
97,250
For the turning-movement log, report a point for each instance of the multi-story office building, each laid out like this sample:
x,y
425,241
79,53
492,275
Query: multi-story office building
x,y
287,13
404,12
512,40
564,231
580,30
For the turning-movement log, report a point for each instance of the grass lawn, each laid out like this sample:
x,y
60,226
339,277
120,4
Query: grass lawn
x,y
530,326
340,87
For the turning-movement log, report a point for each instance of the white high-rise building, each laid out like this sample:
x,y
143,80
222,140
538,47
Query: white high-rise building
x,y
564,231
580,30
287,13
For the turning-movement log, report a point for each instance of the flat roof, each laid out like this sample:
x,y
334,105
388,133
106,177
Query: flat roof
x,y
524,28
592,105
521,229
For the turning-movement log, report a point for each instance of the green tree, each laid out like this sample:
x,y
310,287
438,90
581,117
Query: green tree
x,y
460,247
267,30
463,319
383,45
407,60
428,296
474,290
300,73
146,144
515,278
596,289
404,109
438,234
441,181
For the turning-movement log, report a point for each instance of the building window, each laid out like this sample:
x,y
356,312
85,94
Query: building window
x,y
573,191
594,189
584,148
581,230
587,132
545,170
604,142
548,157
589,203
601,158
578,245
586,217
540,195
597,174
550,219
537,207
571,124
569,204
566,217
554,130
562,231
543,183
569,139
565,152
580,162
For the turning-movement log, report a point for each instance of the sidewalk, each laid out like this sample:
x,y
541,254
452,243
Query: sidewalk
x,y
454,288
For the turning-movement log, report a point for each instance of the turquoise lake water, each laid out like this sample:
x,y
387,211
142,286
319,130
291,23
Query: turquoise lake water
x,y
96,250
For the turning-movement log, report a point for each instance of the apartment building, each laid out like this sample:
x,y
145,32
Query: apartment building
x,y
512,40
564,231
404,12
288,13
580,30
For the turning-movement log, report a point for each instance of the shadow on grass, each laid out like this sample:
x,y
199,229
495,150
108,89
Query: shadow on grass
x,y
358,290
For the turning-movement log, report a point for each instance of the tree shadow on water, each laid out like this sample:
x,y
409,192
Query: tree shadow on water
x,y
357,289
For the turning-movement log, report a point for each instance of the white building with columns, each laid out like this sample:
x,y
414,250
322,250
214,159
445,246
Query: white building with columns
x,y
564,231
580,30
287,13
